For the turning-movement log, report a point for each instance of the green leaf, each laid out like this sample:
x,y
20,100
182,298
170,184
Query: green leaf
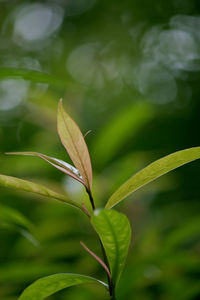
x,y
49,285
24,185
152,172
73,141
32,75
119,129
12,216
114,231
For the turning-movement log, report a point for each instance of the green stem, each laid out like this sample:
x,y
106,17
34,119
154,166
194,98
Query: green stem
x,y
110,283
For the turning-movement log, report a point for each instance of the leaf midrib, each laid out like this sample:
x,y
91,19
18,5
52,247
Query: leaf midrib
x,y
76,149
115,269
119,194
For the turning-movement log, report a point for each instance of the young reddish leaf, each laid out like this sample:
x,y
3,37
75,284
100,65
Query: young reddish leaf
x,y
97,259
57,163
73,141
24,185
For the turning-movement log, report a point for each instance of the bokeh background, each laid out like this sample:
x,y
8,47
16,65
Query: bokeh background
x,y
129,71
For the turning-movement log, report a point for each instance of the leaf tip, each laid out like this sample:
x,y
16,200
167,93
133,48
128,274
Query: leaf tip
x,y
108,205
10,153
60,104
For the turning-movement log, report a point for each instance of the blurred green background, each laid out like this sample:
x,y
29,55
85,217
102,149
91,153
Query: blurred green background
x,y
129,71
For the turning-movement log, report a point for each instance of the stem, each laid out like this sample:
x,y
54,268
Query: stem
x,y
110,283
91,199
85,210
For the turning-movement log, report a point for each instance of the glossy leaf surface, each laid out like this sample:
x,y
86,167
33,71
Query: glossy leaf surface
x,y
57,163
114,231
152,172
24,185
73,141
49,285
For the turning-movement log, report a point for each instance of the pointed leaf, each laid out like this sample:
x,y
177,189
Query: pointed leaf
x,y
57,163
24,185
73,141
152,172
114,231
97,258
49,285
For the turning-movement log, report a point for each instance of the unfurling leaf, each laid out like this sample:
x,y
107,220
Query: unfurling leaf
x,y
152,172
73,141
57,163
114,231
24,185
49,285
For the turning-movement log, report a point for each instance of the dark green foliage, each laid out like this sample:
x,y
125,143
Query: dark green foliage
x,y
128,71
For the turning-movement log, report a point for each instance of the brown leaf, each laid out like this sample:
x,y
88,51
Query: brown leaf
x,y
57,163
73,141
97,259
